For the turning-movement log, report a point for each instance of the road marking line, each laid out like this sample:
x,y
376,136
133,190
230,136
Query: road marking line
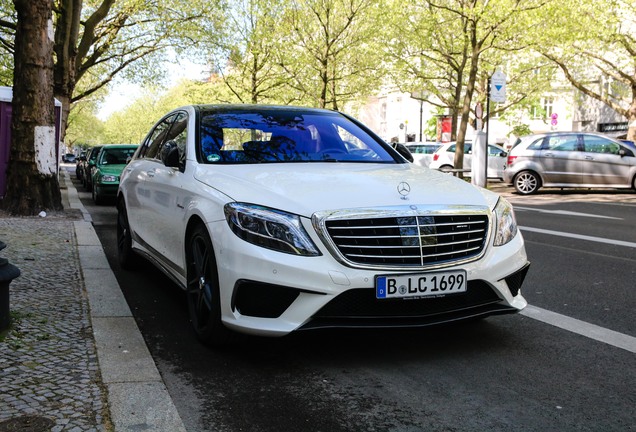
x,y
565,213
580,237
592,331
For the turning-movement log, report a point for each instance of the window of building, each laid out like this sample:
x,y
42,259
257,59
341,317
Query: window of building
x,y
545,110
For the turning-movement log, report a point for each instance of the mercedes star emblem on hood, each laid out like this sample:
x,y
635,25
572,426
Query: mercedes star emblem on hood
x,y
404,189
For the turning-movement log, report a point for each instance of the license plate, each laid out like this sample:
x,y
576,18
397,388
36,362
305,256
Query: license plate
x,y
420,285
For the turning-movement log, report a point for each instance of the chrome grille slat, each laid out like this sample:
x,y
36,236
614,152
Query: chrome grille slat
x,y
405,256
409,241
344,246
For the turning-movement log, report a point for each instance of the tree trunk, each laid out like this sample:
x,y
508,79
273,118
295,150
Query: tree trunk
x,y
32,184
67,28
468,97
631,118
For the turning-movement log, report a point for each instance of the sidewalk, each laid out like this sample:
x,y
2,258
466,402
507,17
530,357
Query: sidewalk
x,y
74,359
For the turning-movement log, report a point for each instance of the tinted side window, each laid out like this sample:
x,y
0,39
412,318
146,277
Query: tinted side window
x,y
94,154
536,145
596,144
494,151
154,140
563,143
179,134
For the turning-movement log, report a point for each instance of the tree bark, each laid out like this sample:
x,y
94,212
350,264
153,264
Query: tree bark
x,y
32,183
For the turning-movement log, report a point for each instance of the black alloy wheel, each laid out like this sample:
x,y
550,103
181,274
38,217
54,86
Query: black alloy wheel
x,y
204,304
128,259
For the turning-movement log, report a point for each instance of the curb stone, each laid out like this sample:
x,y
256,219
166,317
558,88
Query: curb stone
x,y
137,397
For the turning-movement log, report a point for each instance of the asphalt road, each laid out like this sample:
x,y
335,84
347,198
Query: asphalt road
x,y
575,372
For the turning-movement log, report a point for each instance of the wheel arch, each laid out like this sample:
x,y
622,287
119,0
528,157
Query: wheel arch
x,y
530,170
194,221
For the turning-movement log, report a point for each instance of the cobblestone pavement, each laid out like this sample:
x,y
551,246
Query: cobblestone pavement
x,y
49,373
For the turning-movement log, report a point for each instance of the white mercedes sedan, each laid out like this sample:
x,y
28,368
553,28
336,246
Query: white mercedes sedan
x,y
277,219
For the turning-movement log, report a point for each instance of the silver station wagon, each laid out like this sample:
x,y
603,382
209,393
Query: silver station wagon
x,y
570,159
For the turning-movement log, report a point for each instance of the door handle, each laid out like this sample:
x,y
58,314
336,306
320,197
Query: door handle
x,y
589,158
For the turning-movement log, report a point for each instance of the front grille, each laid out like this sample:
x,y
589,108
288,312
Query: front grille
x,y
409,241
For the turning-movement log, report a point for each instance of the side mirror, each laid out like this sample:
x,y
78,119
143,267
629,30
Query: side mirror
x,y
403,151
622,152
170,154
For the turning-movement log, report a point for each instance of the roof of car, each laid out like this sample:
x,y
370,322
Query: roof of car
x,y
120,145
550,133
220,108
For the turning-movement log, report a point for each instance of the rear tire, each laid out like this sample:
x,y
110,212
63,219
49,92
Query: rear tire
x,y
446,168
128,259
202,290
527,182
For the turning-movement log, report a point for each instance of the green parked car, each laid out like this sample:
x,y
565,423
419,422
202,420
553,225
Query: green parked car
x,y
107,170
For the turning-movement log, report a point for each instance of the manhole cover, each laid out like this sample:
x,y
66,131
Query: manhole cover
x,y
27,424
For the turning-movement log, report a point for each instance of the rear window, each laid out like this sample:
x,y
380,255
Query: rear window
x,y
282,136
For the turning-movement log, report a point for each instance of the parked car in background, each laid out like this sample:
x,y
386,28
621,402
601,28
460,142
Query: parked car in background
x,y
571,159
444,159
68,158
282,219
78,164
107,170
87,167
422,152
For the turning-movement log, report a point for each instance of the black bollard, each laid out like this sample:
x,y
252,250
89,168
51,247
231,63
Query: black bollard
x,y
8,272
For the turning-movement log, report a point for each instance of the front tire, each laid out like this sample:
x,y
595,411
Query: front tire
x,y
128,259
527,182
204,304
97,199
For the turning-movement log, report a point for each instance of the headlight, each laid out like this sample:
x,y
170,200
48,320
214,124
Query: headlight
x,y
108,178
506,223
269,228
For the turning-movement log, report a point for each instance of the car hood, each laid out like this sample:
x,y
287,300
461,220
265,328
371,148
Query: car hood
x,y
304,188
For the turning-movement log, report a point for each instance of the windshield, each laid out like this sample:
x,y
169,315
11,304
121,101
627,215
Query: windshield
x,y
286,136
117,156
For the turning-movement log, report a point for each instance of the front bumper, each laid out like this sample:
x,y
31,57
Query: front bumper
x,y
270,293
106,190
